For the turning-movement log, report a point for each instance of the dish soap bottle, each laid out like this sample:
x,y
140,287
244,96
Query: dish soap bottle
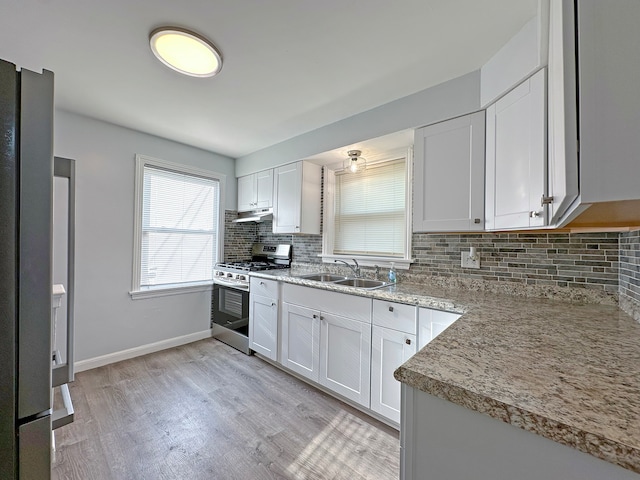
x,y
393,276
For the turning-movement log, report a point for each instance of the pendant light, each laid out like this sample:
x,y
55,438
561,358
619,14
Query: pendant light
x,y
355,163
185,51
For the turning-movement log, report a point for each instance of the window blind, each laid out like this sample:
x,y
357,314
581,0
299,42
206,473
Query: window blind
x,y
370,211
179,227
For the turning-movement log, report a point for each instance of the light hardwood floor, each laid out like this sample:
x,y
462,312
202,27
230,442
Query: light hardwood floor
x,y
205,411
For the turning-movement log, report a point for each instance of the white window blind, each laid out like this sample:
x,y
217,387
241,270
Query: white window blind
x,y
370,211
179,227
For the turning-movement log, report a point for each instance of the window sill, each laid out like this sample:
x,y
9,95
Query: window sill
x,y
165,290
368,261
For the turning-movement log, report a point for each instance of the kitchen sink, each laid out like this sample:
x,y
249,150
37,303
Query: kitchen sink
x,y
362,283
323,277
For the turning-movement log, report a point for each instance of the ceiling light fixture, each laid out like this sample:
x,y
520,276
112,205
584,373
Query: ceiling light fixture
x,y
185,51
355,163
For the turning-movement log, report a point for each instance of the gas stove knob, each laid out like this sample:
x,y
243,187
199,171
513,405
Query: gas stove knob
x,y
229,275
242,277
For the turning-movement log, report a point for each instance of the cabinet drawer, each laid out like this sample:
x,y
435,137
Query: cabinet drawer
x,y
345,305
396,316
264,287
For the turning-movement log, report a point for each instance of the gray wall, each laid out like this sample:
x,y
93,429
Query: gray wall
x,y
106,319
446,100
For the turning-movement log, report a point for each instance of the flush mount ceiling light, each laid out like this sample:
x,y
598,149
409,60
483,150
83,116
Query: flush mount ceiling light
x,y
185,51
355,163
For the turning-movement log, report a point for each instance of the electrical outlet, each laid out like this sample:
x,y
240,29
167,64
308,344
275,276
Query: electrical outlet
x,y
468,262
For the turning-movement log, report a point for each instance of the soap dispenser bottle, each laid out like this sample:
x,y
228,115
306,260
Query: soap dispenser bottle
x,y
393,275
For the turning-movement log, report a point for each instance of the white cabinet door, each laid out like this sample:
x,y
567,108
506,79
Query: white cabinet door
x,y
448,179
246,193
432,323
516,157
300,342
255,191
296,199
286,202
563,125
264,189
389,350
263,325
345,357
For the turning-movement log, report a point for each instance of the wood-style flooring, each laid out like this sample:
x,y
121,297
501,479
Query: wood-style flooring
x,y
205,411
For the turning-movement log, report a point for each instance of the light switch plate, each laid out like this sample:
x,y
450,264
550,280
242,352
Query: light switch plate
x,y
468,262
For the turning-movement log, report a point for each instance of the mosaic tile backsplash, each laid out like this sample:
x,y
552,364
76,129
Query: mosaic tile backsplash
x,y
603,263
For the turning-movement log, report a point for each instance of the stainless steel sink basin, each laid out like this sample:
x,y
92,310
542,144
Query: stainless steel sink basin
x,y
323,277
362,283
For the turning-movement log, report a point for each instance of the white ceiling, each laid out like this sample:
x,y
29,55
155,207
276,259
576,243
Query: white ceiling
x,y
290,66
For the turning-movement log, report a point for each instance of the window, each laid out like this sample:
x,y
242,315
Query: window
x,y
366,214
178,227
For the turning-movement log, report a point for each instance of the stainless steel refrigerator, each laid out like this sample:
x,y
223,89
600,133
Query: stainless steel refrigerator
x,y
26,178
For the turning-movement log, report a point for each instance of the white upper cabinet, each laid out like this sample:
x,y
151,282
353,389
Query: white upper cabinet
x,y
255,191
448,175
520,57
562,129
516,157
608,68
296,203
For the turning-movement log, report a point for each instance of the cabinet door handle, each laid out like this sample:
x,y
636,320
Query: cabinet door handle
x,y
391,309
476,220
407,341
273,304
261,283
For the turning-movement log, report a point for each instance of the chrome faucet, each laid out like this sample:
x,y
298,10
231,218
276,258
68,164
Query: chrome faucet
x,y
355,270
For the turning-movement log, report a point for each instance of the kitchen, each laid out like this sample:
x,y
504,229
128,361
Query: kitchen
x,y
111,327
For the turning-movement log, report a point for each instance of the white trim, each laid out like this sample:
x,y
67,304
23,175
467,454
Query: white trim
x,y
109,358
164,290
141,162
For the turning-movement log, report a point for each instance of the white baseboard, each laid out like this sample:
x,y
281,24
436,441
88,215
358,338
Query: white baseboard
x,y
102,360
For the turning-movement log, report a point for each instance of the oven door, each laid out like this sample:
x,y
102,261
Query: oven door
x,y
230,308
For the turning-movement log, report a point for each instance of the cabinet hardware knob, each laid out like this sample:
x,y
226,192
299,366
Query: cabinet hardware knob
x,y
315,316
273,304
546,200
408,341
391,309
534,214
476,220
321,318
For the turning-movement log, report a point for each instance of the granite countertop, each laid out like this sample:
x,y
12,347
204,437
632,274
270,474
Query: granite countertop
x,y
567,371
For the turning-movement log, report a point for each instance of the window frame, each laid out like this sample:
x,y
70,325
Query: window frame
x,y
328,231
142,161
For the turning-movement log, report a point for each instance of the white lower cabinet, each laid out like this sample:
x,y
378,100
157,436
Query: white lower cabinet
x,y
345,353
326,337
393,343
390,349
263,326
263,317
300,342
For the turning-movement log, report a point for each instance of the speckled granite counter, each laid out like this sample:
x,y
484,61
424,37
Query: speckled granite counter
x,y
569,372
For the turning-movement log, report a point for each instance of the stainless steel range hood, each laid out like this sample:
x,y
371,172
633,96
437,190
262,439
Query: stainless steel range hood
x,y
256,216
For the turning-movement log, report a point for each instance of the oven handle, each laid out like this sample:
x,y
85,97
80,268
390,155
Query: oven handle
x,y
237,286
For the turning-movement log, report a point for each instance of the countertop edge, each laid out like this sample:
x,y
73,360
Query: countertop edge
x,y
591,443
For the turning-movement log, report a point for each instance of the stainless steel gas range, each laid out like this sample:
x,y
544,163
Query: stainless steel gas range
x,y
230,299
